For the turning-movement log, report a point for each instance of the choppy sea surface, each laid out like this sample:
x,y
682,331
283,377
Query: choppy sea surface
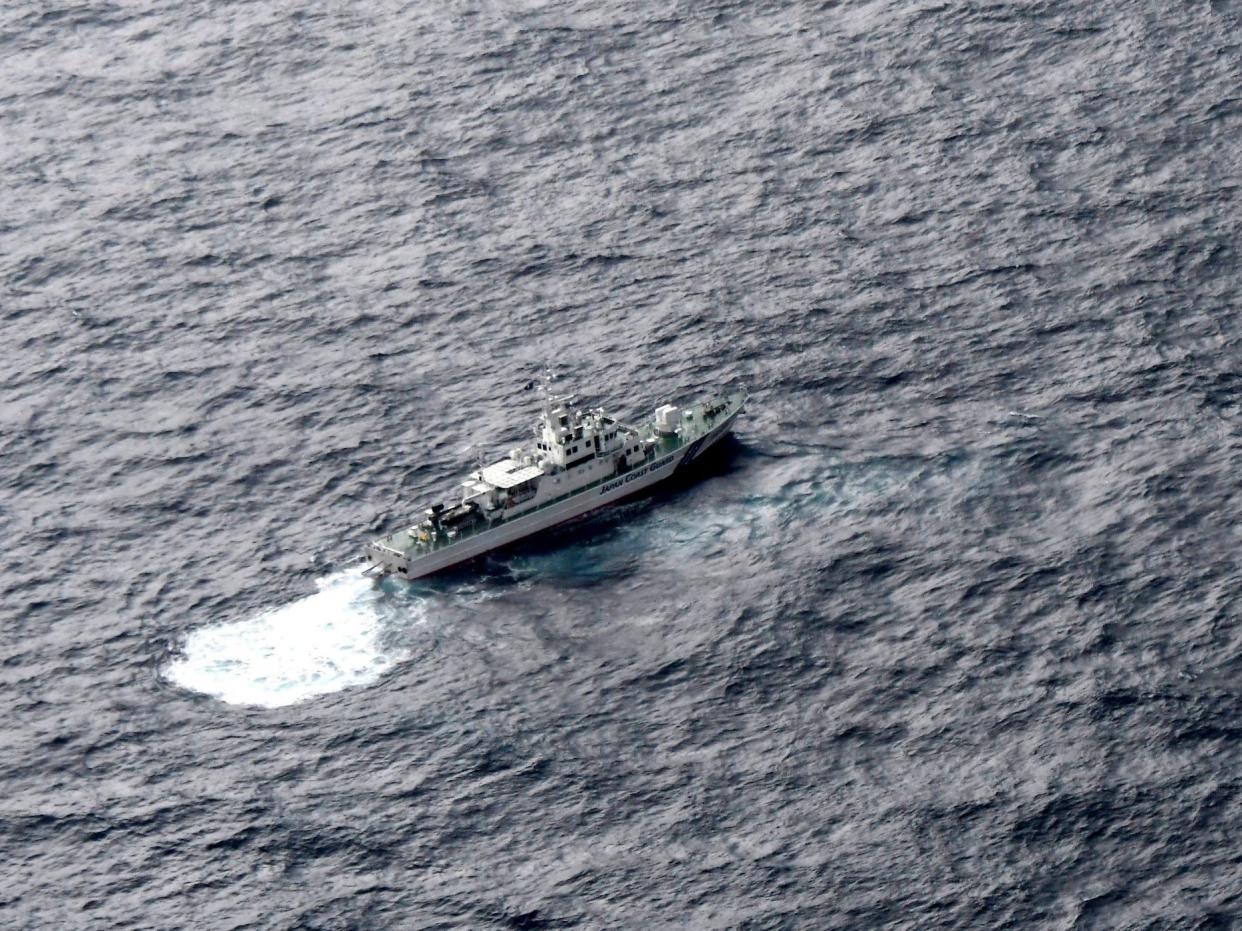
x,y
945,636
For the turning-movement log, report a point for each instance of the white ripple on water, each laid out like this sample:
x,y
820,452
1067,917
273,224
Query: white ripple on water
x,y
322,643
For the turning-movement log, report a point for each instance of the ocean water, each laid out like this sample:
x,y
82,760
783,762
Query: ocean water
x,y
946,636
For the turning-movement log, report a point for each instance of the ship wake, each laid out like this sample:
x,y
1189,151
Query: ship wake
x,y
322,643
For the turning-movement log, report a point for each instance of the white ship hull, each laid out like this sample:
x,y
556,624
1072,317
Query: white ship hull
x,y
518,528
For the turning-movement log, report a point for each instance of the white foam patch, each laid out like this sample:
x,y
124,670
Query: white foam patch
x,y
322,643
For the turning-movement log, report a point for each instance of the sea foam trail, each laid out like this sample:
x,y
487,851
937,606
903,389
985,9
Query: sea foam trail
x,y
322,643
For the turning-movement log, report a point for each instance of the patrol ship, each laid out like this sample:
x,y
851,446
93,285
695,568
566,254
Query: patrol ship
x,y
579,460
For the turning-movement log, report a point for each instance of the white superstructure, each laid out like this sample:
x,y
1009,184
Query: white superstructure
x,y
579,460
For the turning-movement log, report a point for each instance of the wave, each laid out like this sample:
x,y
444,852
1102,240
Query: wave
x,y
322,643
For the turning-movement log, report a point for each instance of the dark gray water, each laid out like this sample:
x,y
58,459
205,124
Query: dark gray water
x,y
947,637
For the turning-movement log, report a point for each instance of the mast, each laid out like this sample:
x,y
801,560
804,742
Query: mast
x,y
545,389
